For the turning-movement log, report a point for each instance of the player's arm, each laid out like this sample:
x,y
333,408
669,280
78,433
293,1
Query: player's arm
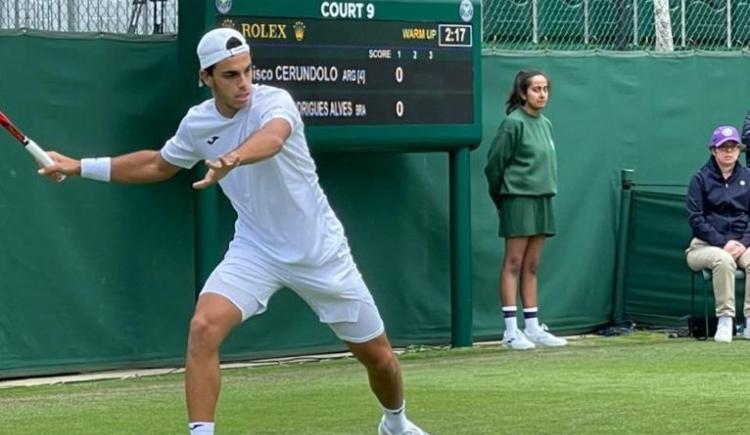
x,y
146,166
264,143
261,145
139,167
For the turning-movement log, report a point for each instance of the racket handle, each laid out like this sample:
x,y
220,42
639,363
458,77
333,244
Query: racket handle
x,y
39,155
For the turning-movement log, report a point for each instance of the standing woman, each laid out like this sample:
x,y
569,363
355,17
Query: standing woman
x,y
522,175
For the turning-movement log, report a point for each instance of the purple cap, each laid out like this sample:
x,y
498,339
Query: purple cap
x,y
723,134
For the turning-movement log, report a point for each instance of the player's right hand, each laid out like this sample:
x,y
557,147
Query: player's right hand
x,y
63,166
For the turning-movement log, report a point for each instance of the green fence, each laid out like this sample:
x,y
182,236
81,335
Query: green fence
x,y
657,278
721,25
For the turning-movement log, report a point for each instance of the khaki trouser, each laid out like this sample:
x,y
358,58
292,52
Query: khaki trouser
x,y
701,255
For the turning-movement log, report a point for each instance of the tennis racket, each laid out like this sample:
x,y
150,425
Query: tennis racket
x,y
35,150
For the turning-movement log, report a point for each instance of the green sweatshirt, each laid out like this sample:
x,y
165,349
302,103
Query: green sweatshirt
x,y
522,159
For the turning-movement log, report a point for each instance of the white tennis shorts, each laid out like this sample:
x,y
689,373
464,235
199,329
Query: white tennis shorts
x,y
334,290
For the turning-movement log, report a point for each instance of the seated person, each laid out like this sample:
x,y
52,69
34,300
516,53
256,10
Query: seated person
x,y
718,205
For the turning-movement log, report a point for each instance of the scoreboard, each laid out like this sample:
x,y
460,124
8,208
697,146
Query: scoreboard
x,y
380,76
370,73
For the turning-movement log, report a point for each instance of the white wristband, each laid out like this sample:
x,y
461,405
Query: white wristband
x,y
96,169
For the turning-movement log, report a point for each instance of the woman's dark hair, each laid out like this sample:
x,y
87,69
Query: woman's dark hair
x,y
231,43
520,86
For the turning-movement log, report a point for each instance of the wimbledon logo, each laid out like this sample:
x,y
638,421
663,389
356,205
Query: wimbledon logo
x,y
223,6
466,10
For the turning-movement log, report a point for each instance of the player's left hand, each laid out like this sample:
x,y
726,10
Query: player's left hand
x,y
217,170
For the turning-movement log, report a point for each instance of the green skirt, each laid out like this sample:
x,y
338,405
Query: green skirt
x,y
525,216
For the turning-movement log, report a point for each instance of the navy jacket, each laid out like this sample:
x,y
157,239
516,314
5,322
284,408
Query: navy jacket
x,y
718,209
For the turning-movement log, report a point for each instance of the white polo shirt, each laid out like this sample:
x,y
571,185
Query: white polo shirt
x,y
282,211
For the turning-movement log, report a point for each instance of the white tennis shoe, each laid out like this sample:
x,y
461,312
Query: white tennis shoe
x,y
411,429
517,340
544,338
724,330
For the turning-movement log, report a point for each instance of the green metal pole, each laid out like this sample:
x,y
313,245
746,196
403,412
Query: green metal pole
x,y
460,240
626,194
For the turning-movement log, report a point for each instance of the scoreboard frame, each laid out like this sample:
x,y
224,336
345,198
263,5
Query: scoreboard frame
x,y
452,16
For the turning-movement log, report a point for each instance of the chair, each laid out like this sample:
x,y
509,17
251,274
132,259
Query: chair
x,y
739,275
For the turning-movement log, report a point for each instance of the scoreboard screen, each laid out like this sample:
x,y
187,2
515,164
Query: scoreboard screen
x,y
379,75
365,72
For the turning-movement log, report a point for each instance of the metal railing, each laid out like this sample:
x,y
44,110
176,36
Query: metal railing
x,y
662,25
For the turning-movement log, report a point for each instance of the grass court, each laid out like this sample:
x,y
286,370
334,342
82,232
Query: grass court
x,y
637,384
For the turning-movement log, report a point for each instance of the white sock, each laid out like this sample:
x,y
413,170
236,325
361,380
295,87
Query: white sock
x,y
511,324
531,320
725,320
395,419
747,324
201,428
532,325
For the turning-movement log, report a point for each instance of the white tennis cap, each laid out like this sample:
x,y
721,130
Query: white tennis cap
x,y
212,47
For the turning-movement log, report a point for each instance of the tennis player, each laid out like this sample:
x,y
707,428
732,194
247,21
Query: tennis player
x,y
286,235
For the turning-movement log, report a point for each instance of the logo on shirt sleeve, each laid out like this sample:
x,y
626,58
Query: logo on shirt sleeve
x,y
212,140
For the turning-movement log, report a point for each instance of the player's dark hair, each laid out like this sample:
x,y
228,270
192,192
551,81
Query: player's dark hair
x,y
231,43
520,87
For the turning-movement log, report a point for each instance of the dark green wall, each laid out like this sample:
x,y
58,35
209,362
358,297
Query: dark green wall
x,y
95,276
658,279
91,276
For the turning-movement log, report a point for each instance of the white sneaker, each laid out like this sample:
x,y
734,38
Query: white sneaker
x,y
724,330
517,341
411,429
544,338
746,332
